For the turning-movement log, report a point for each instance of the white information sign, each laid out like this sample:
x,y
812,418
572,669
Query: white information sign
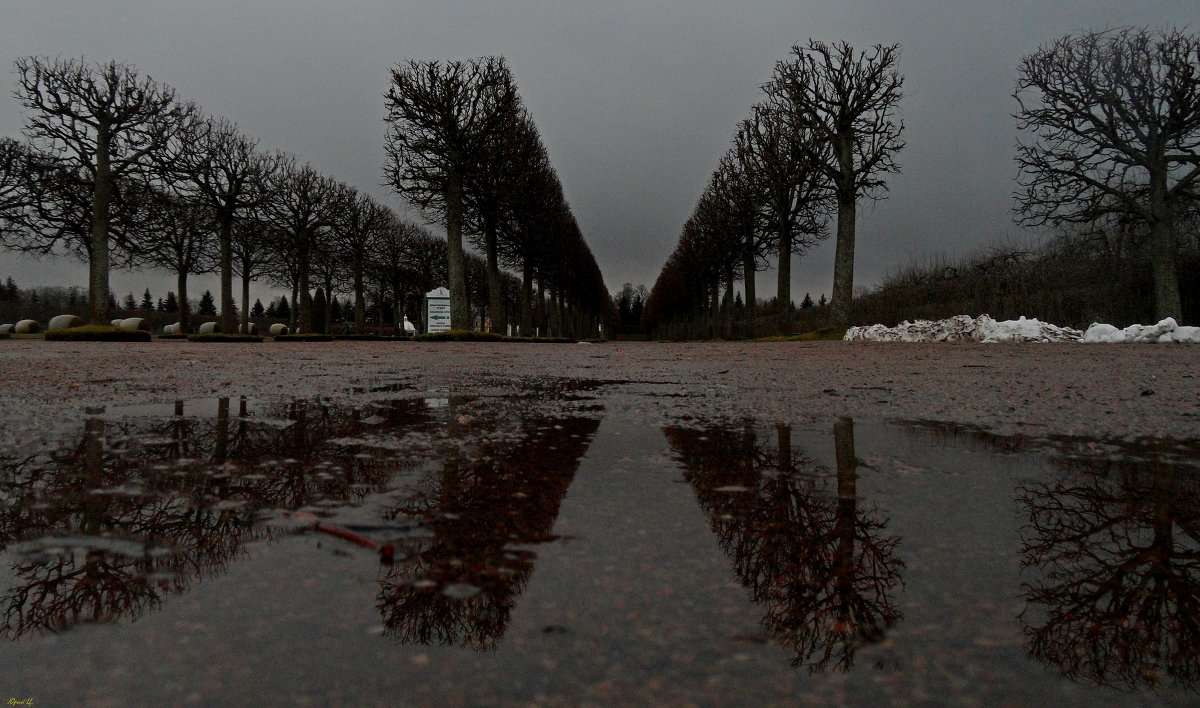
x,y
437,310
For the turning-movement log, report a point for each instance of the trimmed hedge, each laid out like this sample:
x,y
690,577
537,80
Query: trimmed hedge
x,y
460,335
368,338
306,337
825,334
227,338
96,333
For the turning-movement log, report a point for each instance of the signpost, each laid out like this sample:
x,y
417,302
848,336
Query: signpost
x,y
437,310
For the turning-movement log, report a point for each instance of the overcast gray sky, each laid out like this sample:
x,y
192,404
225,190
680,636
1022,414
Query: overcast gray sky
x,y
636,100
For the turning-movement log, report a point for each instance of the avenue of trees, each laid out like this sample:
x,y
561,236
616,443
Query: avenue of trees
x,y
462,148
823,137
1109,158
117,171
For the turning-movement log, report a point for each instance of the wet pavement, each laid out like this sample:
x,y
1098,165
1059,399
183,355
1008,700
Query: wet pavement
x,y
587,541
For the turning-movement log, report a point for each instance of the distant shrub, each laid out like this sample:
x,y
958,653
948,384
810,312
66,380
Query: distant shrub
x,y
305,337
96,333
460,335
228,338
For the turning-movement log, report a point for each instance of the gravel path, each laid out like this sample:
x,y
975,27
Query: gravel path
x,y
1116,391
1110,391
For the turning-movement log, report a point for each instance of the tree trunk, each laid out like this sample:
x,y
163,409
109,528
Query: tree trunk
x,y
783,298
460,308
495,298
295,306
728,301
360,298
843,260
245,298
225,239
1167,302
748,274
101,198
305,324
526,297
843,264
185,314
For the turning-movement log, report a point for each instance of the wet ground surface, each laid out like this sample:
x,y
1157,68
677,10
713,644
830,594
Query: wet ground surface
x,y
412,536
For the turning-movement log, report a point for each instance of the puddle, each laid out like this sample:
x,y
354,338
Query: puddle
x,y
496,548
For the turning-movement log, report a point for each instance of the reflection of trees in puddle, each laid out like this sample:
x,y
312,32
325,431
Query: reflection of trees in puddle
x,y
817,560
1112,547
458,585
1119,542
110,526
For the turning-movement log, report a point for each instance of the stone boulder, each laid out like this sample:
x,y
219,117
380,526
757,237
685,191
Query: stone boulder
x,y
64,322
209,328
278,329
250,328
27,327
134,324
7,328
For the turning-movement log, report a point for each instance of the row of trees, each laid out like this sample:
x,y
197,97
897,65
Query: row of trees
x,y
1110,134
117,171
822,138
462,147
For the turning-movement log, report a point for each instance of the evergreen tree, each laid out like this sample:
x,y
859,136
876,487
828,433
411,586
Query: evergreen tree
x,y
147,301
257,311
129,303
335,310
207,306
271,312
160,305
807,302
9,291
822,302
283,311
112,302
171,305
72,297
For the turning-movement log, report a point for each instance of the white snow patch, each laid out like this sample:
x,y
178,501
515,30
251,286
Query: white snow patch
x,y
965,328
1165,331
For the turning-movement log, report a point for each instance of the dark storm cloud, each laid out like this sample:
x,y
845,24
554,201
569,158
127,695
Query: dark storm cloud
x,y
636,100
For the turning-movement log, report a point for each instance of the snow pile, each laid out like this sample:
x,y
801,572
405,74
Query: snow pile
x,y
1165,331
965,328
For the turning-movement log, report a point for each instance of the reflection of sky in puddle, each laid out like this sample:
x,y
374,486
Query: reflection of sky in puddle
x,y
901,556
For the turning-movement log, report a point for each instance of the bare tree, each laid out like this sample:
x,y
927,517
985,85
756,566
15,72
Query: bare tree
x,y
733,190
848,100
104,121
357,227
506,157
15,193
441,114
178,236
225,171
1114,119
251,258
783,159
302,205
